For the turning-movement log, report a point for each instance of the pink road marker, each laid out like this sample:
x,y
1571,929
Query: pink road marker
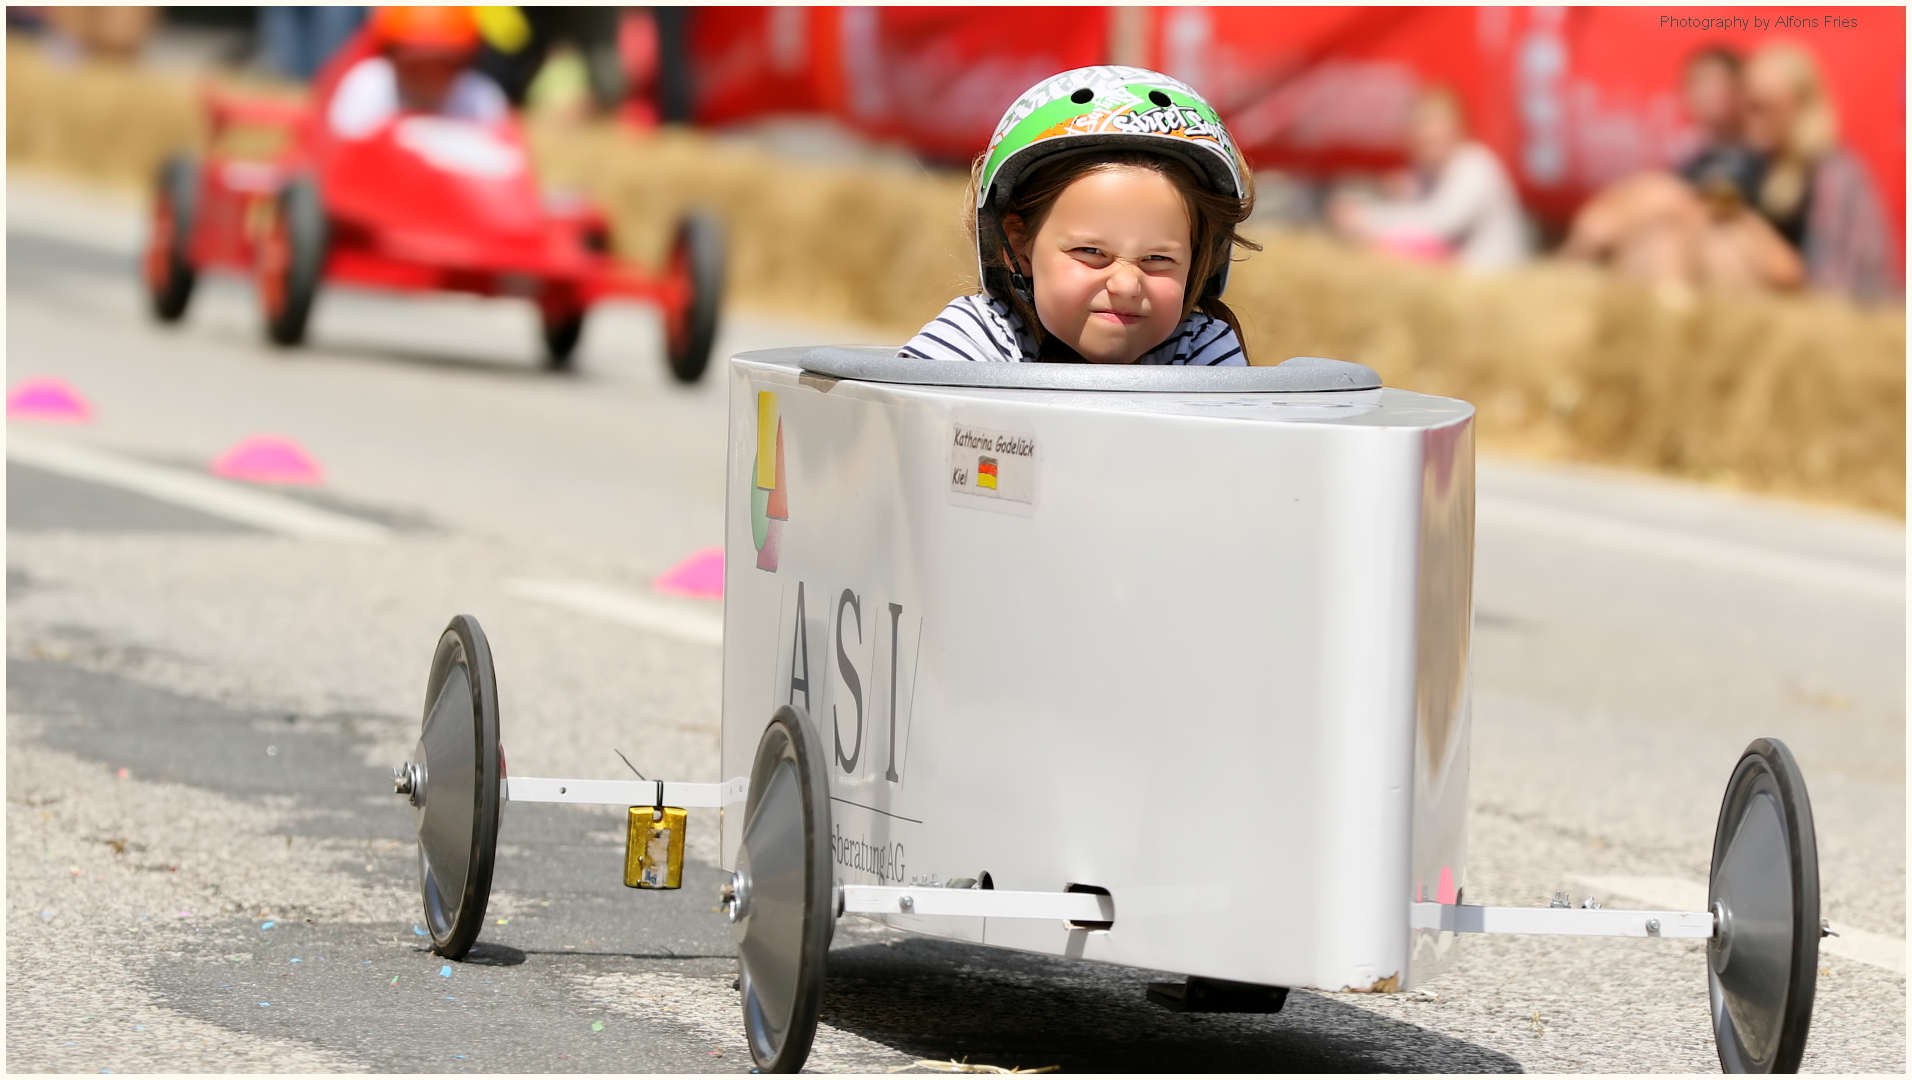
x,y
47,399
268,459
701,575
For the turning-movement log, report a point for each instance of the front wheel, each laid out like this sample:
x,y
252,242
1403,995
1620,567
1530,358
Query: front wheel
x,y
291,254
780,898
697,265
168,269
1763,959
455,783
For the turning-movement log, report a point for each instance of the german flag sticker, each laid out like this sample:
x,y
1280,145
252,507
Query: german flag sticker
x,y
993,468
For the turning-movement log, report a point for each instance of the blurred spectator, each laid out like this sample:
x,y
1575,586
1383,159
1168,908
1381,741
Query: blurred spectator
x,y
1458,199
1815,192
1697,227
1788,208
1716,102
638,48
423,65
112,33
518,40
299,40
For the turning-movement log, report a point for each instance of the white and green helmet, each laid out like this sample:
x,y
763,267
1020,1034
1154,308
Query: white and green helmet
x,y
1096,107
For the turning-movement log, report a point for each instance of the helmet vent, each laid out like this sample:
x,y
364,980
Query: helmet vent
x,y
1160,99
1082,96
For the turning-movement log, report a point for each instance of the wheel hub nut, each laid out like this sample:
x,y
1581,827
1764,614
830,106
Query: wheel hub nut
x,y
405,781
735,895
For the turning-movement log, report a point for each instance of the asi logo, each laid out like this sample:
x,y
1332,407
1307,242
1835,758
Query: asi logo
x,y
770,497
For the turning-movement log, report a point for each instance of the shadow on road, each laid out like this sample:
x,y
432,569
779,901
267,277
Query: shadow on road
x,y
944,1000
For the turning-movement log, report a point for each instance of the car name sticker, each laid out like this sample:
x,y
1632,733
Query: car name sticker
x,y
992,469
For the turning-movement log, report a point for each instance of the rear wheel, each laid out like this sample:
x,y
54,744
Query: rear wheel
x,y
697,262
1763,959
291,254
166,267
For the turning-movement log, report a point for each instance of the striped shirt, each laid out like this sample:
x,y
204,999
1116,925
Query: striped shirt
x,y
981,327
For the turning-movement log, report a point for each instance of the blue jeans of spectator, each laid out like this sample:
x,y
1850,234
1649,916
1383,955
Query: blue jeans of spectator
x,y
299,40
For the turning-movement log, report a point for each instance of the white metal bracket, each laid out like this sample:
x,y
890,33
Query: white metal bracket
x,y
983,903
1580,922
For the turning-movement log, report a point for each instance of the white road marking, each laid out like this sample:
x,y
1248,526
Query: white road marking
x,y
1685,894
58,211
221,498
653,614
1609,532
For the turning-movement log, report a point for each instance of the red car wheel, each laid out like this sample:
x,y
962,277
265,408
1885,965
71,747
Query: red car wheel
x,y
169,274
273,257
562,330
696,267
289,257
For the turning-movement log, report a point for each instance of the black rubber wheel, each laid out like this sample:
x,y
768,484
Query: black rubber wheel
x,y
291,256
456,782
167,266
561,334
1763,960
697,259
783,914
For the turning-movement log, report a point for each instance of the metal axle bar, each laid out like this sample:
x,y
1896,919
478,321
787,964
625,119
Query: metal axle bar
x,y
984,903
1580,922
621,792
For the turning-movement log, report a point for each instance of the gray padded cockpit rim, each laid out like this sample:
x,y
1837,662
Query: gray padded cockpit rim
x,y
1300,374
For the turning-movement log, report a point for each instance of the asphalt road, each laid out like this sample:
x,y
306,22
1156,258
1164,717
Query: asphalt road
x,y
205,868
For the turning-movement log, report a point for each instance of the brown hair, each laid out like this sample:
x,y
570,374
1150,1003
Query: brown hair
x,y
1715,54
1213,219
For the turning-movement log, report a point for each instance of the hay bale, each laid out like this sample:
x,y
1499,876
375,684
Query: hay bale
x,y
103,121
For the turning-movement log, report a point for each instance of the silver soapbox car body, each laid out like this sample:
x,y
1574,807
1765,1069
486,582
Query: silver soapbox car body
x,y
1195,639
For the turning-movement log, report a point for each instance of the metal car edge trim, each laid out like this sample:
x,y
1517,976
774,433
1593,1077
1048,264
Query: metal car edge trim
x,y
984,903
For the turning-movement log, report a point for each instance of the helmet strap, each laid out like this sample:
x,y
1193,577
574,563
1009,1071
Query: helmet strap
x,y
1019,284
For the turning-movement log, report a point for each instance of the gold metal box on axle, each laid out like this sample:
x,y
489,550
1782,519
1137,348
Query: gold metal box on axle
x,y
654,847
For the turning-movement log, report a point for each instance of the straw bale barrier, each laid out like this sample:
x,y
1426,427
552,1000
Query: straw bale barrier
x,y
1803,396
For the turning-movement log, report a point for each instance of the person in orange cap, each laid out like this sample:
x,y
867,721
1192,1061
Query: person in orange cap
x,y
423,66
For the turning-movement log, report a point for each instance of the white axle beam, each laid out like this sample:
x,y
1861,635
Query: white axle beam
x,y
1580,922
620,792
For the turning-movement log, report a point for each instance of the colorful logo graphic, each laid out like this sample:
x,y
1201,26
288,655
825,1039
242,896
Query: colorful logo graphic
x,y
1178,121
986,473
769,499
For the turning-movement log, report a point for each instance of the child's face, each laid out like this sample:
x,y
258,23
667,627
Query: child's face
x,y
1110,264
425,76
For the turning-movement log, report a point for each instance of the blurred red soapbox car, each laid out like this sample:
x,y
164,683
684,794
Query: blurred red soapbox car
x,y
423,203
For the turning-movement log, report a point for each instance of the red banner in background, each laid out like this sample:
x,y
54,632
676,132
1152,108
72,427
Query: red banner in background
x,y
749,62
1571,98
938,78
934,78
